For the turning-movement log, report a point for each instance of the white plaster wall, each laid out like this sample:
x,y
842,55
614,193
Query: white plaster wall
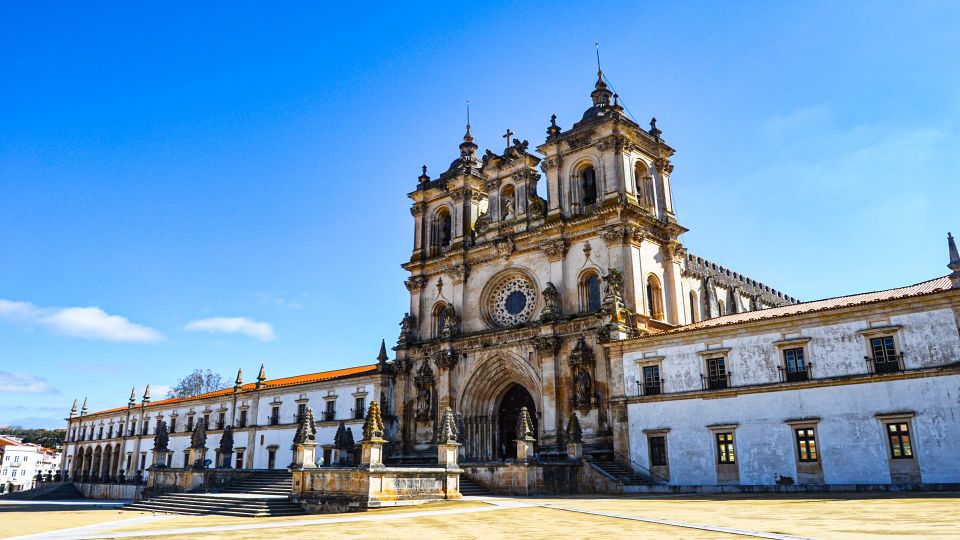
x,y
851,440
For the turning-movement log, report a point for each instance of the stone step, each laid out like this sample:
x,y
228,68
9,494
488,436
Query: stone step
x,y
196,504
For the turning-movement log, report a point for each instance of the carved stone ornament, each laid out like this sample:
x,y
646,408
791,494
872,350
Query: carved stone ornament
x,y
581,364
446,359
548,344
404,365
458,195
537,208
613,295
550,163
512,301
161,438
613,235
524,426
226,441
373,424
663,165
306,429
555,249
552,306
458,273
424,383
447,432
505,247
416,283
199,437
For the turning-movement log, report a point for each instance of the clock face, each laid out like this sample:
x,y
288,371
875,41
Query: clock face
x,y
513,301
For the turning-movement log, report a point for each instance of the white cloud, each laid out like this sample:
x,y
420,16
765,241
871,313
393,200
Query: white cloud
x,y
233,325
24,383
80,322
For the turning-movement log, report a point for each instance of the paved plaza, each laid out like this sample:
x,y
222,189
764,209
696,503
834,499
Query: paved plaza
x,y
832,516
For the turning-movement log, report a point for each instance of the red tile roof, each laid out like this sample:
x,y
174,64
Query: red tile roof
x,y
275,383
920,289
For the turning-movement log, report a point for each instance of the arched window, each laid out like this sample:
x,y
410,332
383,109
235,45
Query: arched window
x,y
694,307
655,297
508,203
590,293
439,318
721,308
441,230
588,186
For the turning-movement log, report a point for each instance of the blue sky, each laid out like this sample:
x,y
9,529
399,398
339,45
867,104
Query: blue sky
x,y
248,163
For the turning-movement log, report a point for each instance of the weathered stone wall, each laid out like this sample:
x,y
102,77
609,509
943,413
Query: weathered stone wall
x,y
110,491
331,489
542,478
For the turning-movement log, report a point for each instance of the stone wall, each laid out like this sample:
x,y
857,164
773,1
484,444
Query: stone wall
x,y
333,489
109,491
542,478
179,480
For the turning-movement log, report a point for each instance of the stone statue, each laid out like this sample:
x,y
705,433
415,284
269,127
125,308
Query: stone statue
x,y
508,207
199,438
406,330
582,386
552,306
423,402
161,438
451,322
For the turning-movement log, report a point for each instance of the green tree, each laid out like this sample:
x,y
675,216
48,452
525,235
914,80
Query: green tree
x,y
196,383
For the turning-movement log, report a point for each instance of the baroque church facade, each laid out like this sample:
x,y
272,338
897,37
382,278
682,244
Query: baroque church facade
x,y
556,281
512,294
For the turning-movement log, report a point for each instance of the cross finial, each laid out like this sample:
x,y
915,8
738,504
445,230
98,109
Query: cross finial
x,y
507,136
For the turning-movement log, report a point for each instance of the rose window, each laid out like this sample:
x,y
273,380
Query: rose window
x,y
513,301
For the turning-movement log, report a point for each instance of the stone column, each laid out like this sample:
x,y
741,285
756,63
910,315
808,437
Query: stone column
x,y
673,256
547,349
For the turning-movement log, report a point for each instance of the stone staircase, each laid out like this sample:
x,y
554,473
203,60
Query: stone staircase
x,y
628,477
262,494
471,488
46,492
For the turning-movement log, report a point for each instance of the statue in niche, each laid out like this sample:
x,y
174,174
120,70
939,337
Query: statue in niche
x,y
582,385
451,322
423,403
552,306
424,384
406,330
582,362
508,206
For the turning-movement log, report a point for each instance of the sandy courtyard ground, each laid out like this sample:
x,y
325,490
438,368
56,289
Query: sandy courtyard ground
x,y
841,516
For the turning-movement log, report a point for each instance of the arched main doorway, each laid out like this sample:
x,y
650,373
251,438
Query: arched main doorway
x,y
507,415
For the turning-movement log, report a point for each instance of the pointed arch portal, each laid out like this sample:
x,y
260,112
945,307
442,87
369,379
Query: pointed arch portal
x,y
490,403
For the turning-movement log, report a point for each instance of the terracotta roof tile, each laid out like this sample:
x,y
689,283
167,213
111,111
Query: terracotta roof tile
x,y
920,289
274,383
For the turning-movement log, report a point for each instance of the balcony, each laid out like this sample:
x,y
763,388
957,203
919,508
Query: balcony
x,y
794,375
274,420
719,381
651,387
885,363
329,416
357,414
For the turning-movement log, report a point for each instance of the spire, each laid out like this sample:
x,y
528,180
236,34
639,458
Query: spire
x,y
554,129
261,377
239,382
524,425
146,395
601,94
373,424
447,434
73,410
423,178
133,397
954,264
382,357
468,149
83,409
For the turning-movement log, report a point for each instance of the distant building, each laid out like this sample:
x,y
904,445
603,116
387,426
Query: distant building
x,y
20,462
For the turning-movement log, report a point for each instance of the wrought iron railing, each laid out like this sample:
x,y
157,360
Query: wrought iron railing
x,y
885,363
637,468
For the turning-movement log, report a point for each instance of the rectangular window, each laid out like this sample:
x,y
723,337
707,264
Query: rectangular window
x,y
133,427
146,427
658,451
100,433
129,460
120,430
239,463
173,424
110,432
221,419
725,451
301,410
243,419
716,373
275,415
189,423
899,434
651,380
796,367
143,460
359,410
330,414
806,445
885,358
158,425
206,420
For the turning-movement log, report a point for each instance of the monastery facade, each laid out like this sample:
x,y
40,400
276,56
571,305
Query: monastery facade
x,y
556,281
